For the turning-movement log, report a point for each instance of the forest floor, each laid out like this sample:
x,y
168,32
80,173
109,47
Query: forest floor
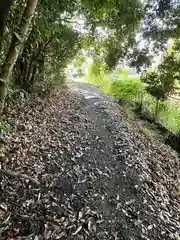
x,y
74,167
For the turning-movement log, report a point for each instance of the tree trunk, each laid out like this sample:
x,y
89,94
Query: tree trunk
x,y
14,50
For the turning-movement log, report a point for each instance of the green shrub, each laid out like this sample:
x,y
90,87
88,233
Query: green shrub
x,y
15,94
95,74
170,116
131,88
127,89
4,126
122,71
51,80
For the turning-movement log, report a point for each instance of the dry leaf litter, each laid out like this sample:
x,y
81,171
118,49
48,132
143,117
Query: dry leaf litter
x,y
74,167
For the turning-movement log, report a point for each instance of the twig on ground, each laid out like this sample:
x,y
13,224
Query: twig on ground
x,y
20,175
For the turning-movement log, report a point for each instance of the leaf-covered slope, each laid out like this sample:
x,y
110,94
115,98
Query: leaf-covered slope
x,y
99,177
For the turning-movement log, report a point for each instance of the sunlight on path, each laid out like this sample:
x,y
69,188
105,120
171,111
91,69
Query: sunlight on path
x,y
89,94
85,89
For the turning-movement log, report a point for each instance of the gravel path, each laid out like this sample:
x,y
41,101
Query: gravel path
x,y
96,176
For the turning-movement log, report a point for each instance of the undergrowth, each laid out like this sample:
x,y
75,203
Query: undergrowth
x,y
4,126
132,89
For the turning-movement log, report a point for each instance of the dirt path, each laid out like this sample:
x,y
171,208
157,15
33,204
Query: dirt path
x,y
99,177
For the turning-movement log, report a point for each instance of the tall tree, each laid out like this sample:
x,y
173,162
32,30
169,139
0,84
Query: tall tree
x,y
52,43
17,43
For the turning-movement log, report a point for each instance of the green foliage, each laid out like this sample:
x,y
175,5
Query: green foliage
x,y
4,126
16,94
98,67
95,74
55,78
139,58
132,89
159,24
11,25
80,59
53,41
170,116
50,47
108,35
161,83
113,13
154,85
127,88
122,71
113,25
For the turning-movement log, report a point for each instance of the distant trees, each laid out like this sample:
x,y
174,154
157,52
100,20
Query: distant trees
x,y
160,23
162,81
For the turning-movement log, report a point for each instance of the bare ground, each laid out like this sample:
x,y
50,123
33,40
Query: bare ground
x,y
74,167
